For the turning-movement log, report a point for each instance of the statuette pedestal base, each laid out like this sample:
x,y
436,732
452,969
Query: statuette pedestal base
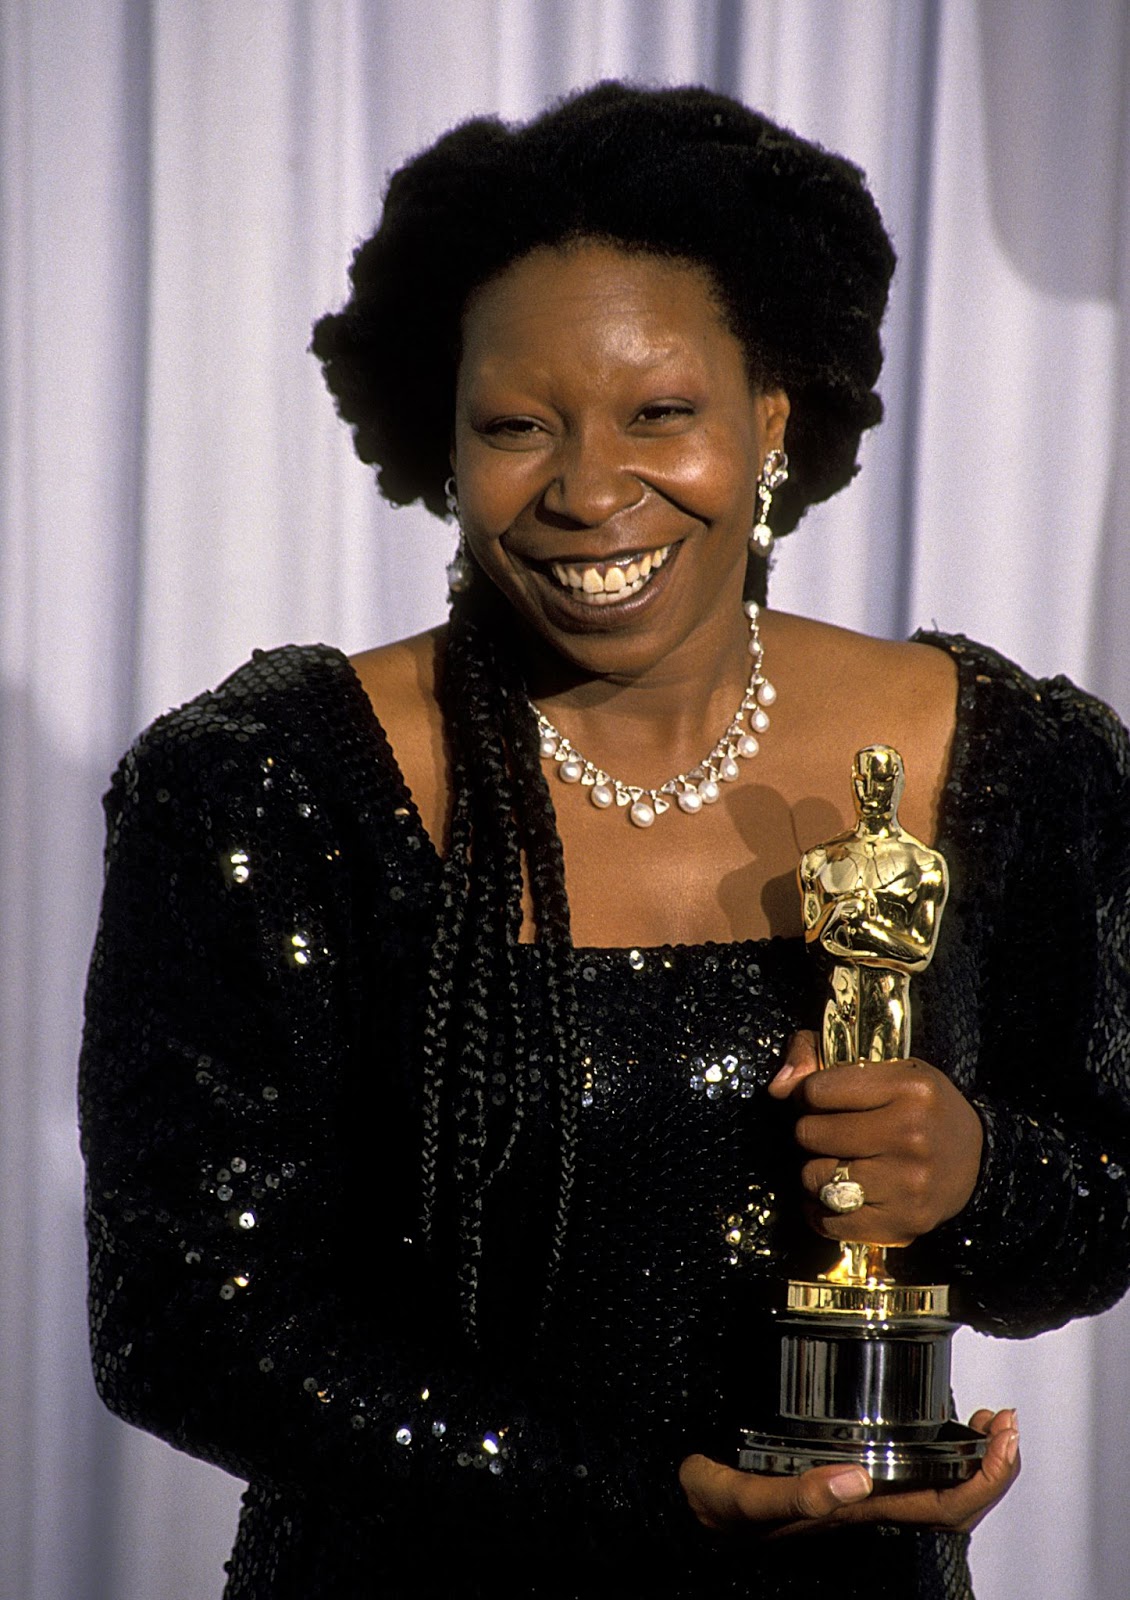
x,y
865,1380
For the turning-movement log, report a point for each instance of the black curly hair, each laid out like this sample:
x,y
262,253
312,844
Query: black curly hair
x,y
797,256
788,234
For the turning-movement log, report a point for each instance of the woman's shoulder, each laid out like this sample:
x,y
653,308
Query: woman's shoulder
x,y
833,663
993,733
840,691
401,683
928,670
999,699
400,679
295,713
288,685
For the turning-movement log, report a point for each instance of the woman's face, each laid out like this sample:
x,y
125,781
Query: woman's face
x,y
607,447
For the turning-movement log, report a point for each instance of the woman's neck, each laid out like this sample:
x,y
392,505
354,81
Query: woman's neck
x,y
647,727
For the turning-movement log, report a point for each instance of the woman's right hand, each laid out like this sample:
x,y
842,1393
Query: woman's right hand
x,y
726,1500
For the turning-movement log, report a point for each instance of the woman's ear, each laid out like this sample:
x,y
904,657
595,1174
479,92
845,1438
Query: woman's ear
x,y
773,415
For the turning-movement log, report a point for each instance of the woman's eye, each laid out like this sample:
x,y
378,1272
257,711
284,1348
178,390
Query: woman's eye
x,y
513,427
661,410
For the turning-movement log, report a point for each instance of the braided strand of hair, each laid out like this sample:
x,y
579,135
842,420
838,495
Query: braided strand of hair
x,y
551,914
474,1021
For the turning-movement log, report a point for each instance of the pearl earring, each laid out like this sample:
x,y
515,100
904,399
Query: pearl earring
x,y
774,472
460,572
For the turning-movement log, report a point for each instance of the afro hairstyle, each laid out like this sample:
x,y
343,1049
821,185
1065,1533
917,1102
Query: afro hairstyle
x,y
786,232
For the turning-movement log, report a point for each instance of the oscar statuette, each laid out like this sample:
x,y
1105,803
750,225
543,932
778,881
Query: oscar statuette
x,y
865,1360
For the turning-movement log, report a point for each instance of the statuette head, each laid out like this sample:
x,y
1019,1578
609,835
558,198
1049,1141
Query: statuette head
x,y
877,780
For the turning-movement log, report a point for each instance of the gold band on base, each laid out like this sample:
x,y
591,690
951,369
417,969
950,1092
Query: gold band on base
x,y
878,1302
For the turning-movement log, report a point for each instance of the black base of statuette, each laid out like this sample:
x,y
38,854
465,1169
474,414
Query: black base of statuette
x,y
874,1394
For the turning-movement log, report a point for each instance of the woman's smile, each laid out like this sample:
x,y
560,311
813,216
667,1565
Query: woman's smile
x,y
611,582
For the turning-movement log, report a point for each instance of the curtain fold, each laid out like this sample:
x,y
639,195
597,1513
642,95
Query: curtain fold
x,y
180,191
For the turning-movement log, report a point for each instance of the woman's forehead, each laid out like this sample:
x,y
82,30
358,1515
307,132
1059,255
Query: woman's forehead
x,y
646,306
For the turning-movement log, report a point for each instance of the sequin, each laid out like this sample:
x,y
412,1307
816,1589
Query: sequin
x,y
404,1435
748,1229
730,1074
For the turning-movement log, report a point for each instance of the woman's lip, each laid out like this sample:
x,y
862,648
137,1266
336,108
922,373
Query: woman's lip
x,y
614,558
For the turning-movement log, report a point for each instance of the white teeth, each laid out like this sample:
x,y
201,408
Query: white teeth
x,y
614,583
610,599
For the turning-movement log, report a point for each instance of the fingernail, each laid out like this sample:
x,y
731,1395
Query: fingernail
x,y
1012,1445
854,1484
783,1076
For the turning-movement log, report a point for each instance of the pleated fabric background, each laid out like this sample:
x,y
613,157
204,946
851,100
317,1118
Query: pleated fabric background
x,y
182,182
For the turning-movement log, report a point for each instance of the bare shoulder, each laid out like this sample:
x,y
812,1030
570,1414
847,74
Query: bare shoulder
x,y
843,690
402,674
401,681
831,664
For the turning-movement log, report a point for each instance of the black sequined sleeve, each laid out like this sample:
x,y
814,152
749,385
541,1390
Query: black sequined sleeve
x,y
1047,1234
235,1310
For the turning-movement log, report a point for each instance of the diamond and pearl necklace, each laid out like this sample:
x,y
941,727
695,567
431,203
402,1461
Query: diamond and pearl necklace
x,y
690,791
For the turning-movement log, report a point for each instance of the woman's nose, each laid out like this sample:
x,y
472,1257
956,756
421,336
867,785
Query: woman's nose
x,y
592,481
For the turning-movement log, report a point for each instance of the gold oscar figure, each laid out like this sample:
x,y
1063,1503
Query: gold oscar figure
x,y
866,1360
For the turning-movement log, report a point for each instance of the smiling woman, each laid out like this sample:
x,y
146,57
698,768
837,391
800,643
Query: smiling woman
x,y
450,1137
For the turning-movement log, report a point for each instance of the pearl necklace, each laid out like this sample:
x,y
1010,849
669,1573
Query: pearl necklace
x,y
691,790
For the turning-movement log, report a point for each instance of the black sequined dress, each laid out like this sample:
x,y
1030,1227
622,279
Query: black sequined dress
x,y
250,1123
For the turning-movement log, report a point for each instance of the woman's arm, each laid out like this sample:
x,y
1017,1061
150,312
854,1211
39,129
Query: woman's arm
x,y
1018,1189
239,1310
1046,1236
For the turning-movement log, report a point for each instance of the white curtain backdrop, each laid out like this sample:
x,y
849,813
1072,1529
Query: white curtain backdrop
x,y
181,184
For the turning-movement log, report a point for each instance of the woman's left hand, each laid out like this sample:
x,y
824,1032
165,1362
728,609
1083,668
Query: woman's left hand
x,y
910,1138
728,1501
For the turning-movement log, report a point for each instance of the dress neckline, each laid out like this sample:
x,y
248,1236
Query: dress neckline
x,y
952,790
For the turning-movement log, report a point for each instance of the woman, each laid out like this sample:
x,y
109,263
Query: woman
x,y
450,1124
